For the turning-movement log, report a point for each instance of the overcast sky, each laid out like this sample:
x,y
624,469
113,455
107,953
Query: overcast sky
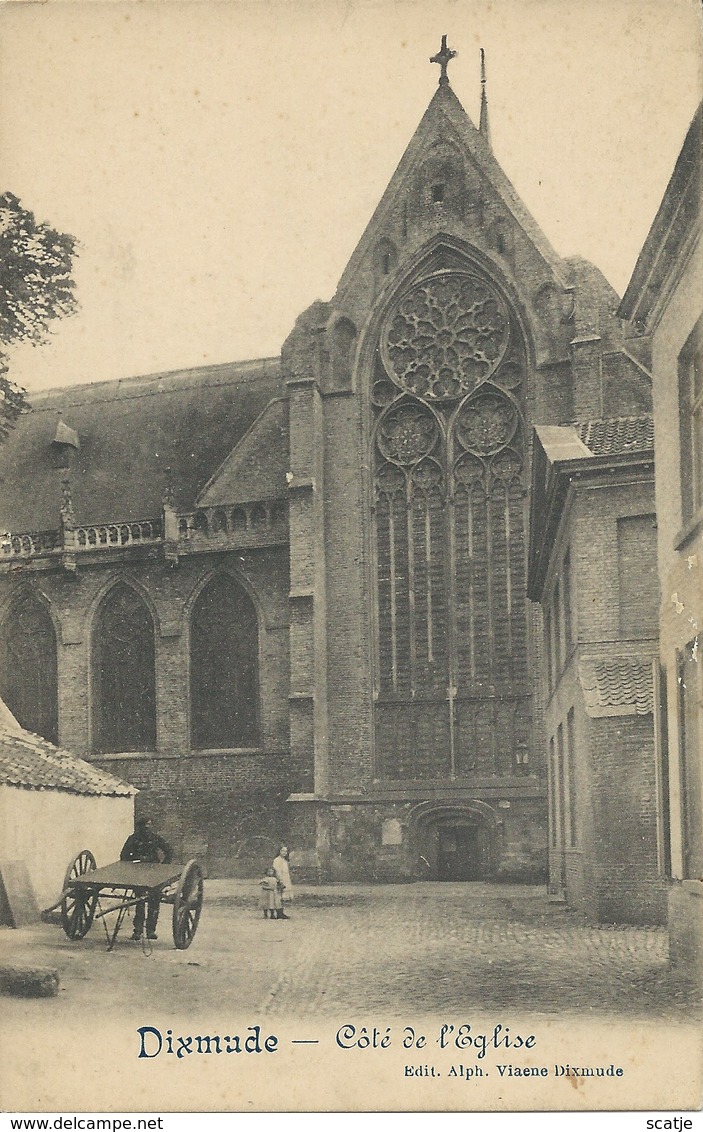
x,y
218,162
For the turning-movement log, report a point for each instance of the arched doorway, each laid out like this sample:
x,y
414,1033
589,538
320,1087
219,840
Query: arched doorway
x,y
455,842
463,851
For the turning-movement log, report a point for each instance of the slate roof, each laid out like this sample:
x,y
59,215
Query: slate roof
x,y
617,686
617,436
257,467
130,432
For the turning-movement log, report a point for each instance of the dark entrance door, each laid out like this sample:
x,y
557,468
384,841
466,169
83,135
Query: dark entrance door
x,y
461,853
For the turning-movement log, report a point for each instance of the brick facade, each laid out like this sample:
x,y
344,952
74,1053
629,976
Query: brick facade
x,y
372,501
663,307
599,710
175,782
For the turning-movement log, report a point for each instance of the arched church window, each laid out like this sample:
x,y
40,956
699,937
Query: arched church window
x,y
449,538
238,519
224,667
259,516
28,676
124,678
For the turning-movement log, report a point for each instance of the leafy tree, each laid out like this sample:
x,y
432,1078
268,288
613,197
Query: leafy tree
x,y
13,401
36,287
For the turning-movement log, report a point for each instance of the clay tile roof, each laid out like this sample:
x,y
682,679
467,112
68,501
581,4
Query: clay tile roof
x,y
32,763
617,436
617,686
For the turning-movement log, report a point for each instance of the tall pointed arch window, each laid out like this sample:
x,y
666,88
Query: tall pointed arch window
x,y
448,438
28,677
224,667
124,679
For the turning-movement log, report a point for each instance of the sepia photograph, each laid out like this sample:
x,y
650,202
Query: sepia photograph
x,y
351,556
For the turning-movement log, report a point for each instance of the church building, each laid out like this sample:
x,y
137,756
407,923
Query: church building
x,y
287,598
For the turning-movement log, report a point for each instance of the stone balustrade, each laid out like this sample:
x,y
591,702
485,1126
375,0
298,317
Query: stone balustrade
x,y
117,534
246,524
247,519
30,545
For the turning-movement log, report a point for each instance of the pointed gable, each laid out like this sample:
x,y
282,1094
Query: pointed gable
x,y
448,174
256,468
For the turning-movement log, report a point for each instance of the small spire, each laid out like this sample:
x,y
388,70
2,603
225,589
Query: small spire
x,y
483,120
443,57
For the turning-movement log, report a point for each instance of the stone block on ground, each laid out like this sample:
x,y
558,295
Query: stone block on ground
x,y
29,982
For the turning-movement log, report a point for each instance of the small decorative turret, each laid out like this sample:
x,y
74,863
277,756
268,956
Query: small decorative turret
x,y
170,520
68,528
68,518
167,496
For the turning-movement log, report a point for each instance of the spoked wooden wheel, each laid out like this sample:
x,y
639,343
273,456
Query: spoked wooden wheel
x,y
187,904
78,905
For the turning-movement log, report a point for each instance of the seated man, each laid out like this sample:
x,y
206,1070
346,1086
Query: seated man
x,y
145,845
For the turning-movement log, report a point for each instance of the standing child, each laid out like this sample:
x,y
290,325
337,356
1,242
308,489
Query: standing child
x,y
270,895
281,870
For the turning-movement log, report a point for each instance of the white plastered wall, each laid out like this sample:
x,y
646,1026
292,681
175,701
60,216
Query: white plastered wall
x,y
47,828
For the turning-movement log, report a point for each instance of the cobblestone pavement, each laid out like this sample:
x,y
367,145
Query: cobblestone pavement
x,y
432,947
389,949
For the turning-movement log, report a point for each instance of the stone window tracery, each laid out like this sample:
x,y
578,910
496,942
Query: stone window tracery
x,y
448,441
485,424
407,434
446,335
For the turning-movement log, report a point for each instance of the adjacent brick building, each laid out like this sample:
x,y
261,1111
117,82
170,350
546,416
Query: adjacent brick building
x,y
664,304
593,569
287,597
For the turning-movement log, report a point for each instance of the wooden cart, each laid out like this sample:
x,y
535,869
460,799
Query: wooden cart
x,y
92,894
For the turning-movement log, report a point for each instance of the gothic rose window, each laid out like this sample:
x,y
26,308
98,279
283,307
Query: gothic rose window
x,y
124,678
446,334
28,677
224,668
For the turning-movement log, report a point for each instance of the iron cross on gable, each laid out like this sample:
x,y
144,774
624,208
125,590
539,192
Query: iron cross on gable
x,y
444,56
